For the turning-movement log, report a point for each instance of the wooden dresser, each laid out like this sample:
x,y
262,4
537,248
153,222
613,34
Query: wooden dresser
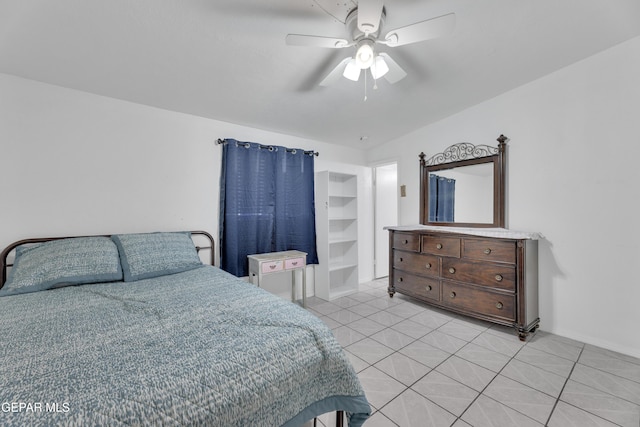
x,y
489,274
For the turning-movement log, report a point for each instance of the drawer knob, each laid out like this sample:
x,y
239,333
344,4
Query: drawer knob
x,y
439,246
400,279
487,251
428,266
499,305
294,263
499,277
406,242
452,270
272,266
401,259
452,295
428,288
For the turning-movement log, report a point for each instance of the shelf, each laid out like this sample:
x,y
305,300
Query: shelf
x,y
342,241
343,196
338,267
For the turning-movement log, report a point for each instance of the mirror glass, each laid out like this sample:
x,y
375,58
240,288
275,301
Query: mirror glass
x,y
461,194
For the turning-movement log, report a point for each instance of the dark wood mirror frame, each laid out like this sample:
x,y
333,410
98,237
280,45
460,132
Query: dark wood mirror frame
x,y
465,154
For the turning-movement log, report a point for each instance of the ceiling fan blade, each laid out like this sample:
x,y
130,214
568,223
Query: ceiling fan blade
x,y
336,73
315,41
369,13
420,31
395,73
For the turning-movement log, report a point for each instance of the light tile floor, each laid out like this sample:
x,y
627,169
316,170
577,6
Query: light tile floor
x,y
421,366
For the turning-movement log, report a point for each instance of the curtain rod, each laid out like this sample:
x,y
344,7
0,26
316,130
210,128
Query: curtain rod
x,y
271,147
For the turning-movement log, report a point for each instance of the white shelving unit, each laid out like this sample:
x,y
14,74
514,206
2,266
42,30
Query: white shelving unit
x,y
336,234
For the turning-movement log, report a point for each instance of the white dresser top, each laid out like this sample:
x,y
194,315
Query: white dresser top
x,y
272,256
501,233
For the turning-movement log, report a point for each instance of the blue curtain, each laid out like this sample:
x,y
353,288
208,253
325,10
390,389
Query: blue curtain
x,y
266,203
441,199
433,197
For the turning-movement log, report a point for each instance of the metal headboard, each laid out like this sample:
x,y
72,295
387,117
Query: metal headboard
x,y
4,264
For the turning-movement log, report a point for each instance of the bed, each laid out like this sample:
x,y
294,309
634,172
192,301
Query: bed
x,y
134,329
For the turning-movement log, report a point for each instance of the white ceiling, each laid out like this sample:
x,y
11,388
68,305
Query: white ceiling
x,y
227,60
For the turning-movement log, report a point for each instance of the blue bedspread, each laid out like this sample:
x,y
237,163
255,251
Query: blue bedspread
x,y
195,348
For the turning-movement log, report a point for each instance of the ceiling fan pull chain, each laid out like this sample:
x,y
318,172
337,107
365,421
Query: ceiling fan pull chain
x,y
365,85
375,81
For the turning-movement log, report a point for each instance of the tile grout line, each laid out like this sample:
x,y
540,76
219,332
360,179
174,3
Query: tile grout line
x,y
563,387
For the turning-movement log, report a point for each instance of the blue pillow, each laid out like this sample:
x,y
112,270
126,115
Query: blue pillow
x,y
63,262
155,254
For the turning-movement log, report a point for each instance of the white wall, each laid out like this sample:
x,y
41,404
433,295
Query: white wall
x,y
74,163
574,150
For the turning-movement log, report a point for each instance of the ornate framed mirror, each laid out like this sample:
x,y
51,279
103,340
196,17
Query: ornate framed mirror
x,y
464,186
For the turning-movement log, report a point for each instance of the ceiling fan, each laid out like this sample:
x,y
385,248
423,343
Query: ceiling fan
x,y
364,24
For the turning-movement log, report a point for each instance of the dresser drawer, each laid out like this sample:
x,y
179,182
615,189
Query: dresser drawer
x,y
406,241
443,246
490,250
293,263
494,275
426,265
417,286
271,266
478,300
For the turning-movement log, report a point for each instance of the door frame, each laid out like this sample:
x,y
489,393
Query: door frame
x,y
378,233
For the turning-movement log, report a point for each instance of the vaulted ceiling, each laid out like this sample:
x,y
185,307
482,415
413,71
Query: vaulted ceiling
x,y
227,59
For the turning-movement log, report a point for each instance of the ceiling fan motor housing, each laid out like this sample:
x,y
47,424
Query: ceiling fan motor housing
x,y
357,34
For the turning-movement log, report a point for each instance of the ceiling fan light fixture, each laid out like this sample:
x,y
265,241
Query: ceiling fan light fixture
x,y
364,54
379,68
352,71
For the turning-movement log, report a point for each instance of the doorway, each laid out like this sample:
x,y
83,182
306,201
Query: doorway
x,y
385,193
